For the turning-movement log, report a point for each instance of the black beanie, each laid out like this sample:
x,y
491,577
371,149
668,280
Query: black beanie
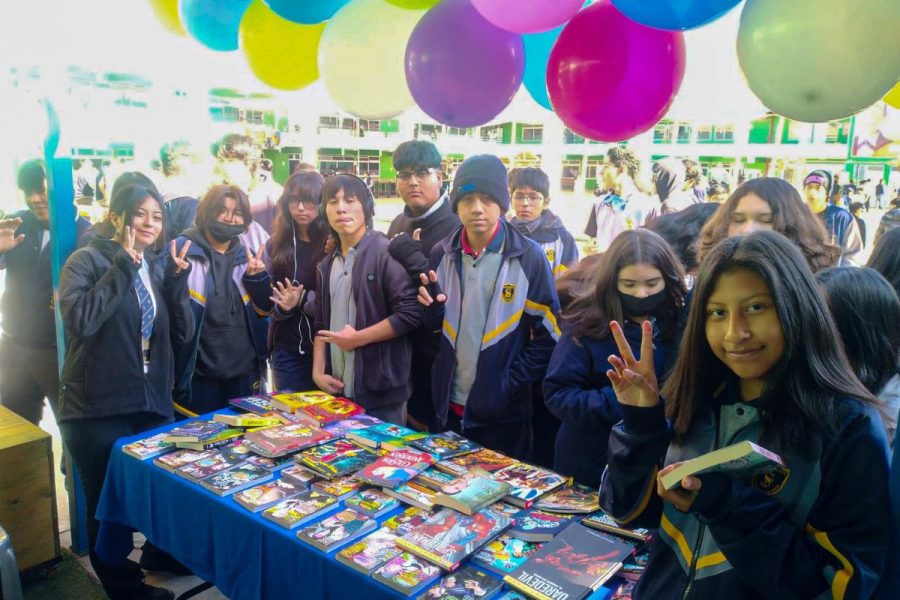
x,y
483,173
821,177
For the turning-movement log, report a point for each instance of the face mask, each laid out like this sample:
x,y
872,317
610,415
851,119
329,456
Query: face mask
x,y
224,232
639,307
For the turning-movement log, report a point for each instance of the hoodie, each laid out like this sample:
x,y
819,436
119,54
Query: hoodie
x,y
553,238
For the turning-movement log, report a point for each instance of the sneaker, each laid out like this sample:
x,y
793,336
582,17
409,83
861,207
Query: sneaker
x,y
150,592
154,559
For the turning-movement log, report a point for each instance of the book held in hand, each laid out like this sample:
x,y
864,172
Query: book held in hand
x,y
296,511
528,483
266,495
446,445
396,467
337,530
287,438
372,551
448,537
150,447
741,460
468,583
407,573
573,500
235,479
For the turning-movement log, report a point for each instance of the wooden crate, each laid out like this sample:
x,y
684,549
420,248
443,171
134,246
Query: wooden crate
x,y
27,490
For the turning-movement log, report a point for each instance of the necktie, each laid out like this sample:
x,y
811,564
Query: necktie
x,y
146,306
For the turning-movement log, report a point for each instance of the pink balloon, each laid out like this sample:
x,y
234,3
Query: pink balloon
x,y
528,16
611,78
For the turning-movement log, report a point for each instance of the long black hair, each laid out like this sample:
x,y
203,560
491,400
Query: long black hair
x,y
351,185
305,187
886,257
803,387
126,201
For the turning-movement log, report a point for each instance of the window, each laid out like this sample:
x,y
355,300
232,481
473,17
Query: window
x,y
662,134
329,163
329,122
253,117
370,165
461,131
724,133
704,133
225,114
370,125
570,137
684,133
494,133
532,133
294,159
428,130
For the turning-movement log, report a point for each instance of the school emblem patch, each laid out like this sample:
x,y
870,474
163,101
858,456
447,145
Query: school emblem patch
x,y
771,481
508,293
551,254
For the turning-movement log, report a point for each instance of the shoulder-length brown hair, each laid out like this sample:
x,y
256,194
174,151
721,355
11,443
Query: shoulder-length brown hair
x,y
589,314
214,199
791,217
306,187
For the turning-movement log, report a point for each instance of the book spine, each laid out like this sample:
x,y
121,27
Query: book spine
x,y
531,593
426,554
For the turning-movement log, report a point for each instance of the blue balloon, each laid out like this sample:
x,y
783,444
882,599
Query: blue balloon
x,y
308,12
213,23
537,53
674,15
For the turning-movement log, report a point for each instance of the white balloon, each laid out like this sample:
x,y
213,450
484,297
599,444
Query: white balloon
x,y
820,60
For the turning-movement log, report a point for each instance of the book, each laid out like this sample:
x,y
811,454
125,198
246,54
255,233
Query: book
x,y
247,420
235,479
300,509
177,459
223,438
507,510
445,445
150,447
340,428
603,522
283,439
371,502
504,554
402,522
241,450
485,459
434,478
336,458
469,583
328,412
372,551
259,405
469,494
385,435
299,476
448,537
266,495
396,467
572,565
407,573
337,530
634,566
739,460
414,494
291,402
341,488
575,499
528,483
538,526
260,451
206,466
197,430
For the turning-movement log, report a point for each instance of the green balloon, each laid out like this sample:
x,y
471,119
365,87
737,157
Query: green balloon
x,y
414,4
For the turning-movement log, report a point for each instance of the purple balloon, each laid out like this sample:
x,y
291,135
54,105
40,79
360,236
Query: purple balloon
x,y
462,70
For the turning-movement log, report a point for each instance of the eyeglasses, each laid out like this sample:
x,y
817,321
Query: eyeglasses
x,y
527,198
420,174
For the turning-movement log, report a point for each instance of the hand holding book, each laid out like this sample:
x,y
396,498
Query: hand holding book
x,y
682,497
633,380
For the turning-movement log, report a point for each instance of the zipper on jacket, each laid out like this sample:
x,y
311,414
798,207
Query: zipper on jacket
x,y
693,570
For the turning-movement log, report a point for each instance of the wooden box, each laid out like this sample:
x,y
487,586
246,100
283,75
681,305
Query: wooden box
x,y
27,490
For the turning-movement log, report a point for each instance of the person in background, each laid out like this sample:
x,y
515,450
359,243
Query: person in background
x,y
179,165
623,204
682,231
879,195
693,180
669,181
237,164
856,209
839,223
889,220
885,257
718,192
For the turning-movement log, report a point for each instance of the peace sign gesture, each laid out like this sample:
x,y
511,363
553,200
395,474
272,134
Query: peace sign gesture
x,y
255,262
634,381
179,259
127,242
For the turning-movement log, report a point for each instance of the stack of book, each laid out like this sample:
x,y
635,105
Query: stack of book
x,y
300,509
150,447
336,458
202,435
266,495
277,441
529,483
291,402
385,436
328,412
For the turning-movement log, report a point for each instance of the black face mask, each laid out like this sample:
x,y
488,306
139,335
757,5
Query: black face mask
x,y
639,307
223,232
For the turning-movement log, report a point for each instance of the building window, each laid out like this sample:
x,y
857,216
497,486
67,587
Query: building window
x,y
494,134
570,137
662,134
724,133
532,133
428,130
329,122
460,131
704,133
369,165
684,133
370,125
294,159
329,164
253,117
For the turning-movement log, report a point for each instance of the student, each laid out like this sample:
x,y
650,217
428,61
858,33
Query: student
x,y
760,360
530,192
682,231
773,204
623,204
839,224
496,315
638,279
889,220
291,255
178,161
886,257
105,229
365,308
856,209
122,311
227,357
238,164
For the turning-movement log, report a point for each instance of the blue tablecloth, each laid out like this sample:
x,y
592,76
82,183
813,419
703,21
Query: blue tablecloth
x,y
244,555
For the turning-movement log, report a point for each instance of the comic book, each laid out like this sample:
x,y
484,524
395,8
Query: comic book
x,y
575,499
529,483
402,522
603,522
371,502
471,493
196,430
235,479
296,511
434,478
370,552
266,495
150,447
287,438
539,526
206,466
337,530
336,458
484,459
242,450
259,405
385,435
446,445
407,573
177,459
328,412
247,420
223,438
469,583
291,402
414,494
299,476
396,467
340,428
341,487
505,554
448,537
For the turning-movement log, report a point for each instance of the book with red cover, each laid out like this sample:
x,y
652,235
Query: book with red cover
x,y
485,459
328,412
449,537
287,438
396,467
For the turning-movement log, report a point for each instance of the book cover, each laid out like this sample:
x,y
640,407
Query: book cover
x,y
507,510
235,479
469,583
371,502
370,552
385,435
572,500
241,450
287,438
407,573
484,459
634,566
206,466
448,537
336,458
296,511
539,526
572,565
247,420
403,522
299,476
340,428
528,482
446,445
150,447
434,478
223,438
396,467
739,460
603,522
197,430
505,554
266,495
291,402
469,494
338,530
259,405
325,413
414,494
177,459
341,487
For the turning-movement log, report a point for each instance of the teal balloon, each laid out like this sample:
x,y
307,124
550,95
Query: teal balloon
x,y
675,15
537,53
213,23
307,12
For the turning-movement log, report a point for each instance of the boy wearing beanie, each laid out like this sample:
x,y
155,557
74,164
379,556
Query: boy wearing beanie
x,y
839,223
496,315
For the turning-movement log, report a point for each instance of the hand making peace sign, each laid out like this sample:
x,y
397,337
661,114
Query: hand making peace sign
x,y
633,380
127,242
255,262
179,259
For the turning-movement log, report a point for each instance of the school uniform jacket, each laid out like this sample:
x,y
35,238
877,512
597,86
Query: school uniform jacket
x,y
554,239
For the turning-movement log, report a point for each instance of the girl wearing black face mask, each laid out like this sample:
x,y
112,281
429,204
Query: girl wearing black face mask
x,y
227,358
637,279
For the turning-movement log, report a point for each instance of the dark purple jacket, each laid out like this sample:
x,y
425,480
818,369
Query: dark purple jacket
x,y
382,289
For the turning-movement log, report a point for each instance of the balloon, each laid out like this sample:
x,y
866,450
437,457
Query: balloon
x,y
413,4
213,23
893,96
308,12
610,78
467,78
819,69
361,30
166,12
537,53
674,14
528,16
280,52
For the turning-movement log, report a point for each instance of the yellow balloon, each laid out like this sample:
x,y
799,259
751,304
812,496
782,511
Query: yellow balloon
x,y
281,53
893,96
166,12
